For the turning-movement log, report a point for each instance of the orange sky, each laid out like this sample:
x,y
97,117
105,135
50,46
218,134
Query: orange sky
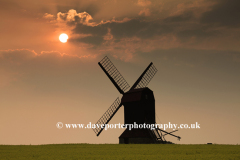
x,y
193,44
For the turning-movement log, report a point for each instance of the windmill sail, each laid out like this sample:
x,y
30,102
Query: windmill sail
x,y
107,116
114,75
145,77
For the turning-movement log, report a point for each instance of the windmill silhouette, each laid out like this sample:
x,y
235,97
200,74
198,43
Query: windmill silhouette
x,y
139,106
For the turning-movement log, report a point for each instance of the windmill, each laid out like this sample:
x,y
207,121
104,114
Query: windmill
x,y
139,106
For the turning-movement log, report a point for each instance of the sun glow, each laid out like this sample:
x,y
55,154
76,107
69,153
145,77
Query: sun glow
x,y
63,38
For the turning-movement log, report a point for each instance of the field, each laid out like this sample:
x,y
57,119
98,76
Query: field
x,y
119,151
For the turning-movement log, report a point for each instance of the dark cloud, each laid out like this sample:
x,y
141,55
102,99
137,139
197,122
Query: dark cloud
x,y
186,26
4,5
186,16
227,61
132,28
224,13
95,40
181,26
199,32
99,30
190,23
92,9
97,33
127,29
139,28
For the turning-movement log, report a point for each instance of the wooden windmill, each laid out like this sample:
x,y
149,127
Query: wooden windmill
x,y
139,106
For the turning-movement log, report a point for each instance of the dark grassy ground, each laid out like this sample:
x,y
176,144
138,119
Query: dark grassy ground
x,y
119,151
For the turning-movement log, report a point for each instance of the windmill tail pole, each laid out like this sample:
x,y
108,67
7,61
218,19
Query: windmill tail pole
x,y
169,133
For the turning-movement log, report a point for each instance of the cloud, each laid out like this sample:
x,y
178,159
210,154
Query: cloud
x,y
223,13
125,29
83,23
91,7
11,61
48,16
16,56
144,3
73,16
145,12
25,65
186,16
183,27
23,56
96,40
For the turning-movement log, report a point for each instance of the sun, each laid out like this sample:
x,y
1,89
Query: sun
x,y
63,38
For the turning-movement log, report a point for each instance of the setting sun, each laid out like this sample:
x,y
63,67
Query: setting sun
x,y
63,38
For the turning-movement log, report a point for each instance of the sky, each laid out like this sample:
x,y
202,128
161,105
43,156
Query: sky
x,y
194,44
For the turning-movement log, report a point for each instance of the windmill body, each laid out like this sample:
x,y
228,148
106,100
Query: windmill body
x,y
139,106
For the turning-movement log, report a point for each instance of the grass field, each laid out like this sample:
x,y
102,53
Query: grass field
x,y
119,151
